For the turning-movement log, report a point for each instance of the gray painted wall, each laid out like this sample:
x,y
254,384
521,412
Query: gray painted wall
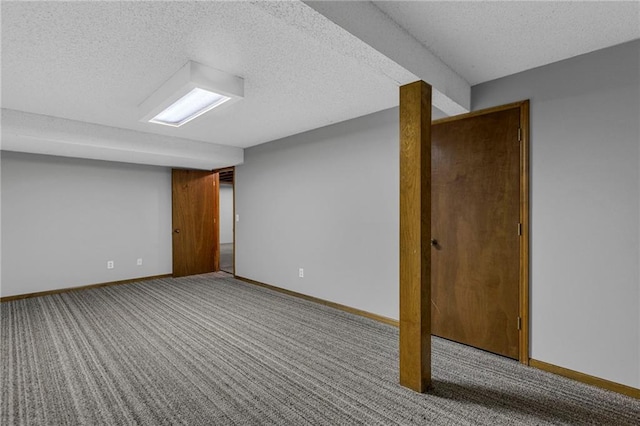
x,y
226,213
585,217
63,218
325,201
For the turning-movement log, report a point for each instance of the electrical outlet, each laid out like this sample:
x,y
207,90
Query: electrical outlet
x,y
301,272
110,264
237,218
139,262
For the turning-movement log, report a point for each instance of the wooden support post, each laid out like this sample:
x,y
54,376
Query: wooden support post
x,y
415,236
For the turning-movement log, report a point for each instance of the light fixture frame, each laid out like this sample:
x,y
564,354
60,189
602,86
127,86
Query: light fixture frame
x,y
192,75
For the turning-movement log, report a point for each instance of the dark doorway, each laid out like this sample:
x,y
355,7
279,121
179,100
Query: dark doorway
x,y
227,220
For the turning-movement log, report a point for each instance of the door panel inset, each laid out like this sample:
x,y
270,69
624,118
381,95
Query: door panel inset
x,y
475,217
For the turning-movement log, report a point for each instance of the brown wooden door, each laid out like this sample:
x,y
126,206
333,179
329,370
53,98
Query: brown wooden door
x,y
195,222
475,217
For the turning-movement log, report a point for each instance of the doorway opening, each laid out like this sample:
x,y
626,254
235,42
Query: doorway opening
x,y
227,222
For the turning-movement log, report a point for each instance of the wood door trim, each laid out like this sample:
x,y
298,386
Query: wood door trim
x,y
523,287
233,206
233,186
485,111
524,238
216,220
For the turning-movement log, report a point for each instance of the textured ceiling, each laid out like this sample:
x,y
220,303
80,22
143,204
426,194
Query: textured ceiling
x,y
97,61
485,40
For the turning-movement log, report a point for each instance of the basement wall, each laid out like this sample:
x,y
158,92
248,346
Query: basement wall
x,y
326,201
64,218
585,208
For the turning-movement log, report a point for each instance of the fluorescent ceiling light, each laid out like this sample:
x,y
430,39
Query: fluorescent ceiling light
x,y
192,105
189,93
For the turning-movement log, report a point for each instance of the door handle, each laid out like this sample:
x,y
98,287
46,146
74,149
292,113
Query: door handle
x,y
434,242
177,231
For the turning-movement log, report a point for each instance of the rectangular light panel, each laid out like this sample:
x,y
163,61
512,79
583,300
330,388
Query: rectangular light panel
x,y
193,104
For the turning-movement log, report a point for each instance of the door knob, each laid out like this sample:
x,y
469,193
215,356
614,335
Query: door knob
x,y
177,231
434,242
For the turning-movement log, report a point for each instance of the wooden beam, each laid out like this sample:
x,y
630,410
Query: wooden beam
x,y
415,236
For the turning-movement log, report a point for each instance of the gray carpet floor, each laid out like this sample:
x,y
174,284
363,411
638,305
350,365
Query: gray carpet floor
x,y
211,350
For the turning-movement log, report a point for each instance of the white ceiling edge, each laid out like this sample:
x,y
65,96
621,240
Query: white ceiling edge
x,y
316,26
41,134
450,92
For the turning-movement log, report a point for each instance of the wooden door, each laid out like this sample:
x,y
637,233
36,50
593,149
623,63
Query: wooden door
x,y
195,222
475,230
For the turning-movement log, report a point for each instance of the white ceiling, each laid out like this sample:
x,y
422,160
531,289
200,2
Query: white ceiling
x,y
485,40
95,62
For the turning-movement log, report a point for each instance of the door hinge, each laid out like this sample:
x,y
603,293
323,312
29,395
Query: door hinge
x,y
519,229
519,323
519,134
